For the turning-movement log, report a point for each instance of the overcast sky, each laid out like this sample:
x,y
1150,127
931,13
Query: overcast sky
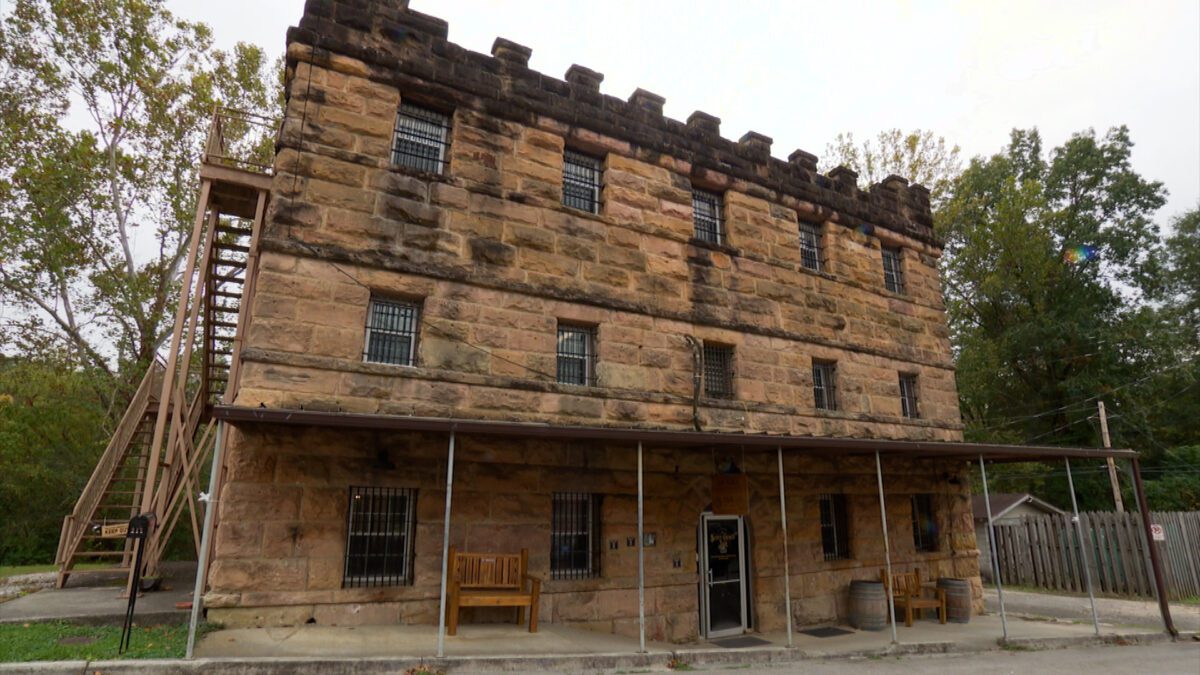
x,y
801,72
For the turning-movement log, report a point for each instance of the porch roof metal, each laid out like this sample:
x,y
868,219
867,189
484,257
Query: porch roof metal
x,y
238,415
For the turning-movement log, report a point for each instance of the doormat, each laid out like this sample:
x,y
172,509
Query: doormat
x,y
740,642
827,631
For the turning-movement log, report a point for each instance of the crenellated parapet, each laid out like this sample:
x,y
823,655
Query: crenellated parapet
x,y
409,50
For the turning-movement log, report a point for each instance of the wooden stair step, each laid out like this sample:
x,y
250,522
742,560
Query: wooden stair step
x,y
222,246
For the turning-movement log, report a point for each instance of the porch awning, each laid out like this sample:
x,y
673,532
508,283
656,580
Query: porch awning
x,y
238,415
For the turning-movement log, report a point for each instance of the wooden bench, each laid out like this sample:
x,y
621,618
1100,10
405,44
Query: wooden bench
x,y
492,580
906,592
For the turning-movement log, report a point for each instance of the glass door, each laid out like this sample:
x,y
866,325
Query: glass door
x,y
723,575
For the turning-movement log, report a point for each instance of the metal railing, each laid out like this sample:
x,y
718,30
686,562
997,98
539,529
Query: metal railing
x,y
242,140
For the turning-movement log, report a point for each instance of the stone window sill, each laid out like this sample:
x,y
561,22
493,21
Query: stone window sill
x,y
723,248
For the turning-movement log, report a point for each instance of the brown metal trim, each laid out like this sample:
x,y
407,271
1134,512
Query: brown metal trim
x,y
946,449
1160,586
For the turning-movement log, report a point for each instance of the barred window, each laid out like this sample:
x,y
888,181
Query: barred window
x,y
908,396
392,332
810,246
420,141
824,385
575,536
708,214
576,355
718,371
893,273
925,529
581,182
835,527
379,537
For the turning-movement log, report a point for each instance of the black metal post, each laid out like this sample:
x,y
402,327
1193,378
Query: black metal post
x,y
1160,585
139,527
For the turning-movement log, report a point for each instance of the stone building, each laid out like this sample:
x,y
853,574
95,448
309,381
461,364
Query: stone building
x,y
565,282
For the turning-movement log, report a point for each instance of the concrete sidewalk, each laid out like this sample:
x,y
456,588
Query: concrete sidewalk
x,y
504,641
1143,613
103,604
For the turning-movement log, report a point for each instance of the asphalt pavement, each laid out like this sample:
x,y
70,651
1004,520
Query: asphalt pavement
x,y
1182,658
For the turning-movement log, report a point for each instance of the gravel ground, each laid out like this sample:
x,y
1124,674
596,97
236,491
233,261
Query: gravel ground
x,y
21,584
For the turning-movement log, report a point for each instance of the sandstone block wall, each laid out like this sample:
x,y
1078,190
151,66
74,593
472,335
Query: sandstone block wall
x,y
495,259
280,546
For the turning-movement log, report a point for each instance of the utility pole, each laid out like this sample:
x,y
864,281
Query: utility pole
x,y
1112,464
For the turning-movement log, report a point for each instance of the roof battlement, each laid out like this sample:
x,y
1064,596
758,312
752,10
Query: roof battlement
x,y
410,50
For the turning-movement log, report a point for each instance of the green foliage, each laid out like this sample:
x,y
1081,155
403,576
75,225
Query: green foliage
x,y
917,155
94,221
70,642
51,431
1174,483
1059,293
104,111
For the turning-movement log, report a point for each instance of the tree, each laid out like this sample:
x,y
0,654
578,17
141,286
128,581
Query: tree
x,y
105,106
1048,260
917,155
1183,263
51,428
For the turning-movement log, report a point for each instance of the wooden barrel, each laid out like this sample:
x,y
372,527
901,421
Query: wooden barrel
x,y
868,605
958,599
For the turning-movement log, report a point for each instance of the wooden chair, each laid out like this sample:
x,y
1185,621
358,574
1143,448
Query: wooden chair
x,y
907,593
492,580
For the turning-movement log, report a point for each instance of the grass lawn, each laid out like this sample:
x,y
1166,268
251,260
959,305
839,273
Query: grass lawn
x,y
14,570
71,642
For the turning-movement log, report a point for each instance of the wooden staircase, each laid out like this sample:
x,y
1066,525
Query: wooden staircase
x,y
154,462
112,495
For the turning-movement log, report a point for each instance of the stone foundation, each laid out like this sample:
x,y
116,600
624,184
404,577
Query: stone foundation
x,y
280,545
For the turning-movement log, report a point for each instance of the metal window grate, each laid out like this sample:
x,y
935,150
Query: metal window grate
x,y
420,141
575,536
908,396
379,537
576,355
391,332
810,247
835,527
893,273
824,385
581,182
708,215
925,530
718,371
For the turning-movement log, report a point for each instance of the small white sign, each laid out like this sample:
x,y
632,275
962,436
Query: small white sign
x,y
1157,533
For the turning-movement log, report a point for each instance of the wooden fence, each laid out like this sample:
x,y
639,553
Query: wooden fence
x,y
1046,552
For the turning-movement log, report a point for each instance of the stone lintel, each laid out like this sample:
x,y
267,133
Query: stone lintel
x,y
648,101
511,52
709,125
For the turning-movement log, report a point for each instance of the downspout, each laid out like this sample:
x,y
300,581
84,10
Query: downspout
x,y
697,367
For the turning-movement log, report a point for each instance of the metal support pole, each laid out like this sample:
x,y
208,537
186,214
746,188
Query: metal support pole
x,y
1087,575
887,549
987,502
209,514
1155,562
641,557
787,571
441,641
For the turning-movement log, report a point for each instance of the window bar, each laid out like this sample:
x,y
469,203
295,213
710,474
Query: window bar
x,y
420,139
346,575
